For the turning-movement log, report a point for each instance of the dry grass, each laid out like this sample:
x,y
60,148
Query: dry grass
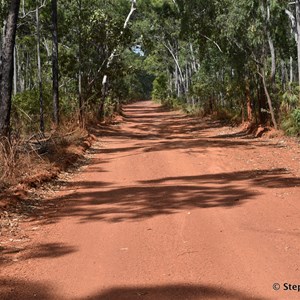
x,y
15,159
35,160
8,160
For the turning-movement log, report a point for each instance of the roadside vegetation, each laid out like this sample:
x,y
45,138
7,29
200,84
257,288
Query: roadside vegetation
x,y
68,64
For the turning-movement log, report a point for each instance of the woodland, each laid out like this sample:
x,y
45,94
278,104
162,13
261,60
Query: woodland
x,y
149,149
71,62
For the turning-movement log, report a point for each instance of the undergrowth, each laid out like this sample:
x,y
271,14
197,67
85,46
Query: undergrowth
x,y
291,123
37,158
220,113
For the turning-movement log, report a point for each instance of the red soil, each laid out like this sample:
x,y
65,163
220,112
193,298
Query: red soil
x,y
169,207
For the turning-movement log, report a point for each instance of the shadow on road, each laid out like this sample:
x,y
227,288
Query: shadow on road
x,y
173,292
104,201
167,196
15,289
41,251
98,201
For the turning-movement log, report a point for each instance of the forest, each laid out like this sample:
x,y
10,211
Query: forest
x,y
149,149
72,62
236,59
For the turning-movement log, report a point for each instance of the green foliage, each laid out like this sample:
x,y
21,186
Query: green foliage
x,y
291,124
201,56
160,86
194,110
290,99
109,107
25,109
173,103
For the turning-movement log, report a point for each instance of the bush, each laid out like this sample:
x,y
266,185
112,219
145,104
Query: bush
x,y
291,124
160,87
26,110
195,110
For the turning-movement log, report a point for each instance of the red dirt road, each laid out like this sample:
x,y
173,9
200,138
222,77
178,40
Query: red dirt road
x,y
169,208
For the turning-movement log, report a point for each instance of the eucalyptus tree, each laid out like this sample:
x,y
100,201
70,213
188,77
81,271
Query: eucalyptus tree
x,y
55,68
159,23
6,71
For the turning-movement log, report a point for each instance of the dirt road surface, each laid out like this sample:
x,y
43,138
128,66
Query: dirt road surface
x,y
169,207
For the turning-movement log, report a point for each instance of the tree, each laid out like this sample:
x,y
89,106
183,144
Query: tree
x,y
6,72
228,57
55,69
39,65
113,54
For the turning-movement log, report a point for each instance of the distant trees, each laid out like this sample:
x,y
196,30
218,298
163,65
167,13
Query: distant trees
x,y
235,59
90,38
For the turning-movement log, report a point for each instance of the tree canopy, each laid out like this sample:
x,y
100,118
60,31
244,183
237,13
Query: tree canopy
x,y
235,59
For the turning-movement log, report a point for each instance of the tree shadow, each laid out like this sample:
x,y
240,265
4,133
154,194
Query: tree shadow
x,y
50,250
173,292
275,178
41,251
166,131
17,289
170,195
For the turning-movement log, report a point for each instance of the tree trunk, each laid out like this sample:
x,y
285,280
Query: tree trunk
x,y
283,75
298,37
181,77
15,71
242,112
55,83
114,52
80,99
248,101
273,58
40,78
271,46
269,99
262,104
7,71
291,70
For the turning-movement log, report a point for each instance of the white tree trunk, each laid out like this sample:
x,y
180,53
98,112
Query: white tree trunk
x,y
39,63
298,36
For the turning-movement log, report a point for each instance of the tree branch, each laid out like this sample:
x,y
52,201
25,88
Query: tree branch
x,y
33,11
209,39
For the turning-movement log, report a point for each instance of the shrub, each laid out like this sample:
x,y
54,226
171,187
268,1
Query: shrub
x,y
291,124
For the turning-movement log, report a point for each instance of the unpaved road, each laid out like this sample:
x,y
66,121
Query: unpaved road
x,y
169,208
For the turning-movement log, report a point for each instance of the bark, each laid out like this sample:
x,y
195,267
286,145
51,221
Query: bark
x,y
271,46
243,112
55,83
26,76
283,74
291,70
273,58
39,63
80,99
268,99
194,63
248,101
298,36
181,77
295,24
261,105
15,71
103,93
7,67
20,82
